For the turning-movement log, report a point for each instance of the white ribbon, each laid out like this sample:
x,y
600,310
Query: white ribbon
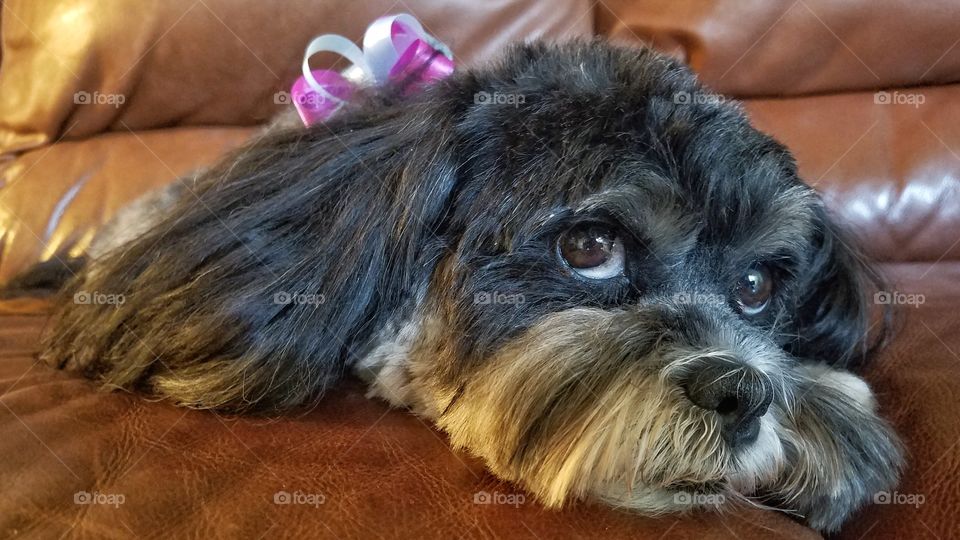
x,y
337,44
372,64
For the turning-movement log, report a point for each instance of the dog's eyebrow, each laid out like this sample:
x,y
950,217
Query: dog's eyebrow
x,y
781,225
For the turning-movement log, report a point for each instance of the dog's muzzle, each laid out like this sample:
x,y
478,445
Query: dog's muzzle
x,y
739,394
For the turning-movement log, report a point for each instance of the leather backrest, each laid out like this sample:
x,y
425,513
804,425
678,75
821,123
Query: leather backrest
x,y
796,47
74,68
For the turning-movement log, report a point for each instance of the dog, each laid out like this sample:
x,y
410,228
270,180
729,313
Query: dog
x,y
580,264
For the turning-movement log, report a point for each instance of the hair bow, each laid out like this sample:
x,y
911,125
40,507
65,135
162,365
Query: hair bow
x,y
395,49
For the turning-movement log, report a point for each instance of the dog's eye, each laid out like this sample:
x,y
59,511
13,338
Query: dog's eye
x,y
754,290
592,251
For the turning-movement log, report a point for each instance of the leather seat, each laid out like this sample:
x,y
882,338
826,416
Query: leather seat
x,y
865,93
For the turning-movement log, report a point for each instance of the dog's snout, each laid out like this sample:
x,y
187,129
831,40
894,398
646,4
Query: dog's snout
x,y
738,393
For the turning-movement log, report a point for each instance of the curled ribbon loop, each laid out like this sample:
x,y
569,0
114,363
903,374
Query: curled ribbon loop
x,y
395,49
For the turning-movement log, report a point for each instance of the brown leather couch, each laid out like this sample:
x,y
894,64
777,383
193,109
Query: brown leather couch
x,y
196,76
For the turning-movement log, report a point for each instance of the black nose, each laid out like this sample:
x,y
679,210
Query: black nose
x,y
738,393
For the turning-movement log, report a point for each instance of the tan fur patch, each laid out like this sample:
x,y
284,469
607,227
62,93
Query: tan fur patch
x,y
595,425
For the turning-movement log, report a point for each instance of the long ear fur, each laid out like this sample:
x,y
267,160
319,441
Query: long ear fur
x,y
254,293
839,321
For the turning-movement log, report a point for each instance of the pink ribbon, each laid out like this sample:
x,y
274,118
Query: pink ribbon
x,y
396,50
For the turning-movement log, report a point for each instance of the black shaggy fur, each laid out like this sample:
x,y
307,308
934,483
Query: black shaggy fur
x,y
349,212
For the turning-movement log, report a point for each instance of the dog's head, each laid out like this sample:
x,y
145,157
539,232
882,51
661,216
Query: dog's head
x,y
585,267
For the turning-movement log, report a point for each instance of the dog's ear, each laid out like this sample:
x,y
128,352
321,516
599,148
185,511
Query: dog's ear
x,y
274,269
838,320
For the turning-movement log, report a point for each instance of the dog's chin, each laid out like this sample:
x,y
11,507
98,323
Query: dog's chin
x,y
759,463
747,471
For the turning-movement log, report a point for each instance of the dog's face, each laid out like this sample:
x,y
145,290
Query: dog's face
x,y
585,268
